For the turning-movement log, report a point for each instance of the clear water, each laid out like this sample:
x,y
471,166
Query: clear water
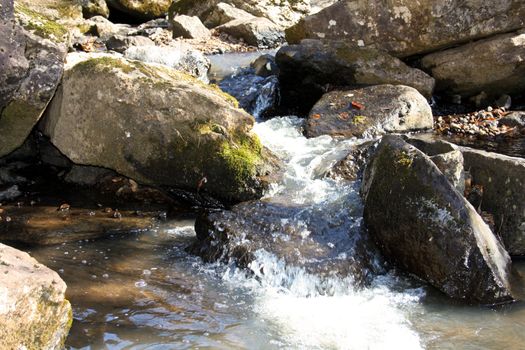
x,y
143,291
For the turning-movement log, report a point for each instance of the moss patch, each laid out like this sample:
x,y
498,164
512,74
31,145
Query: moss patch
x,y
241,156
359,119
41,25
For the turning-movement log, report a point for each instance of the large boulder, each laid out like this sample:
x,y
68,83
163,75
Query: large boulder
x,y
183,58
189,27
369,111
502,180
141,9
34,313
255,31
406,27
157,126
494,66
283,13
322,241
223,13
32,51
422,224
309,68
91,8
55,10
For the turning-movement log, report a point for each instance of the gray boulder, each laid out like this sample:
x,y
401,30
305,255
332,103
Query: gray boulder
x,y
255,31
514,119
32,52
494,66
369,111
223,13
189,27
34,313
157,126
502,180
120,43
182,58
308,69
105,29
406,27
423,225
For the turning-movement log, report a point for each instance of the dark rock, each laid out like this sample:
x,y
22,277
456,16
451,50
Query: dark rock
x,y
351,167
493,66
10,193
31,65
87,175
265,66
256,31
189,28
309,69
501,180
324,243
421,223
504,101
369,111
514,119
404,28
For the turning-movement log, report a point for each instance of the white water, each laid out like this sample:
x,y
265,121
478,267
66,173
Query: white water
x,y
375,317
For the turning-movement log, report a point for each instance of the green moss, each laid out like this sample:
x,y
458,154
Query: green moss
x,y
403,159
104,64
241,156
41,25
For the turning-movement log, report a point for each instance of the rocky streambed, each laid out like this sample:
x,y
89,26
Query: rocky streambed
x,y
359,187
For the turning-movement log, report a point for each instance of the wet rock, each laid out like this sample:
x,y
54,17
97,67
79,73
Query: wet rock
x,y
92,8
10,193
255,94
9,173
143,9
504,101
223,13
301,238
309,69
451,165
157,126
121,43
182,58
34,313
494,66
369,111
502,182
265,66
45,225
351,167
514,119
422,224
256,31
407,27
32,51
189,27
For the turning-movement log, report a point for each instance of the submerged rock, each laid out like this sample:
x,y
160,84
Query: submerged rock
x,y
32,52
45,225
502,181
34,313
494,66
369,111
406,27
157,126
422,224
303,239
308,69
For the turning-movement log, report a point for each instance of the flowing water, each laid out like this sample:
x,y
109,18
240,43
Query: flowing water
x,y
143,291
